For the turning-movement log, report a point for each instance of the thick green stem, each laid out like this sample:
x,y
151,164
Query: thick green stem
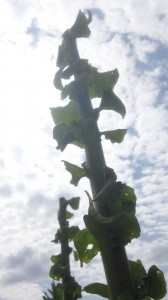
x,y
114,258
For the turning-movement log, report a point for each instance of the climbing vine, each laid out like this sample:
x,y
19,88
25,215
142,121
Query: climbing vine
x,y
111,222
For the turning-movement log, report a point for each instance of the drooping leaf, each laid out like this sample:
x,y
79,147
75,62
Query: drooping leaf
x,y
111,102
156,283
74,202
68,134
57,80
98,82
115,136
64,114
80,27
98,289
69,215
76,172
127,202
55,258
72,231
81,242
138,272
56,271
109,173
63,57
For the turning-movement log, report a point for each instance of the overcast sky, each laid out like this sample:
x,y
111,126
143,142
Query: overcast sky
x,y
130,35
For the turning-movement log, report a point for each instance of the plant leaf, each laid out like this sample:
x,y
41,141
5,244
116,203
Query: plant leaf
x,y
64,114
55,258
115,136
68,134
98,289
111,102
138,272
156,283
56,271
81,242
76,172
69,215
63,57
80,27
98,82
74,202
72,231
57,80
127,201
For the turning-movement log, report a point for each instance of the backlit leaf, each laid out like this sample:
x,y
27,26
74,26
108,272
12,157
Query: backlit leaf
x,y
115,136
76,172
55,258
138,271
74,202
82,240
63,57
98,82
69,215
80,27
156,282
127,202
57,80
98,289
64,114
68,134
111,102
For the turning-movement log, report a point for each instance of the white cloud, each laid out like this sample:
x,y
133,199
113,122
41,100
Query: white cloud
x,y
130,36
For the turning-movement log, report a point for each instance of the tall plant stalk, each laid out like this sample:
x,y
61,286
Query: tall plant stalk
x,y
111,219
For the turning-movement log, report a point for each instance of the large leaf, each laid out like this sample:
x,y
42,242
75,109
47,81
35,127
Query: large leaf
x,y
98,289
111,102
98,82
156,283
81,242
56,271
76,172
74,202
80,27
64,114
115,136
138,272
127,201
63,57
68,134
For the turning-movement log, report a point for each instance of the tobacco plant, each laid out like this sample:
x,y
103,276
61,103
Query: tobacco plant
x,y
111,222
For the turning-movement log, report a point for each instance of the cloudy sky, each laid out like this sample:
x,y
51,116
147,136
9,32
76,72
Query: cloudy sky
x,y
129,35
